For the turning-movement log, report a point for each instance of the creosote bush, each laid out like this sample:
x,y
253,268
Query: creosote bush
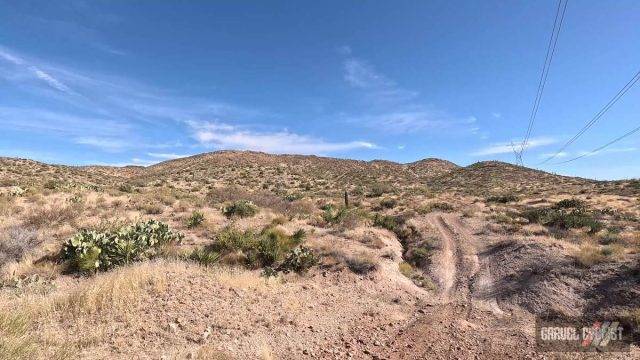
x,y
569,203
502,199
435,206
271,247
563,219
240,208
89,250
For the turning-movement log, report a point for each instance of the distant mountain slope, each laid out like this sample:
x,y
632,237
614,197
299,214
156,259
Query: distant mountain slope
x,y
489,177
432,167
311,174
261,170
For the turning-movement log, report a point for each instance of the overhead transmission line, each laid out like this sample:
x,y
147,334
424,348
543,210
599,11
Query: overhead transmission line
x,y
597,117
596,150
551,49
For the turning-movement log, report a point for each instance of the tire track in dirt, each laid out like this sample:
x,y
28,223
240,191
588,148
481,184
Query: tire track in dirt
x,y
457,263
456,327
444,267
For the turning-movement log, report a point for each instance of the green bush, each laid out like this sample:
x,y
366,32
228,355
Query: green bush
x,y
50,184
386,222
265,249
299,260
380,189
89,250
435,206
230,239
125,187
195,219
563,219
241,208
361,264
420,255
388,203
502,199
570,203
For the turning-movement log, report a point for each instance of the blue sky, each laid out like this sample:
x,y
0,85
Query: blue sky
x,y
137,82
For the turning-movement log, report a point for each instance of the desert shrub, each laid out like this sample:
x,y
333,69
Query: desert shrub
x,y
15,242
17,191
299,260
420,255
346,218
388,203
240,208
90,250
230,239
125,188
379,189
386,222
361,264
609,238
264,199
613,250
278,220
55,214
435,206
149,208
569,203
589,255
291,197
204,256
77,199
415,276
195,219
502,199
563,219
405,269
50,184
269,248
275,243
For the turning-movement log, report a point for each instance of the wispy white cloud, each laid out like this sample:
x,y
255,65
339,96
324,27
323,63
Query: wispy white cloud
x,y
46,121
36,71
167,156
507,147
7,56
106,144
226,136
561,154
52,81
377,88
392,108
608,151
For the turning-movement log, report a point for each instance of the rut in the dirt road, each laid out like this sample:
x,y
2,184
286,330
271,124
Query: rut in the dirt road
x,y
460,324
457,262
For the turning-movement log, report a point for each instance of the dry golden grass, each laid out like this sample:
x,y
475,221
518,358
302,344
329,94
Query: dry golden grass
x,y
60,323
238,278
588,255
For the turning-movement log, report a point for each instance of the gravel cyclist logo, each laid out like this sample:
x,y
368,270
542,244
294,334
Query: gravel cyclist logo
x,y
569,336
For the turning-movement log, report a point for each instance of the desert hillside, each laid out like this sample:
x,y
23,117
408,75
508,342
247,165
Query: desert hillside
x,y
242,255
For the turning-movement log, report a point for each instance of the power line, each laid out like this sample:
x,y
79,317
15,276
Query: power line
x,y
597,117
551,49
601,147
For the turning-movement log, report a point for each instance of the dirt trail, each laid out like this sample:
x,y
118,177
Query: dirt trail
x,y
461,325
